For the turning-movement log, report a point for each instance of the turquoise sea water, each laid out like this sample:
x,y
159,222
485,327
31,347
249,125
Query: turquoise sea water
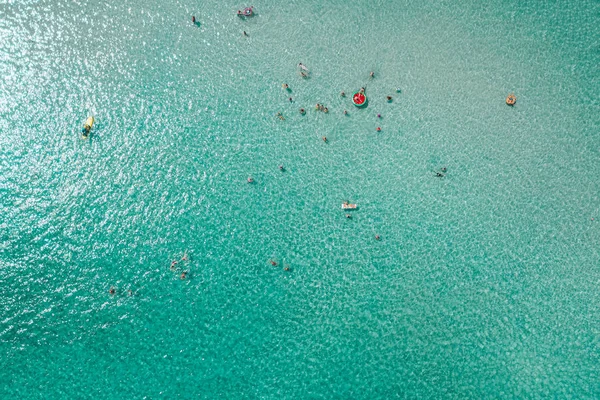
x,y
484,283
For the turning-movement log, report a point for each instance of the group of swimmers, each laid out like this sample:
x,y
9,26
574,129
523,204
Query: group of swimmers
x,y
441,173
321,107
174,263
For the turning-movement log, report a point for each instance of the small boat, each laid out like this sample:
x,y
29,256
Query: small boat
x,y
87,127
349,206
359,99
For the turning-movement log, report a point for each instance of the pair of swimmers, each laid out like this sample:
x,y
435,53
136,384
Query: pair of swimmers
x,y
112,291
274,263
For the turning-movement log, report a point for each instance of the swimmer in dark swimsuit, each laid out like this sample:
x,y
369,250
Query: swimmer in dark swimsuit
x,y
111,290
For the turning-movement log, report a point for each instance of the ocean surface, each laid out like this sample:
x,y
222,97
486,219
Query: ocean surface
x,y
484,283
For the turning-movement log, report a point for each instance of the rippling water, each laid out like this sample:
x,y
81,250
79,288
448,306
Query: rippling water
x,y
484,283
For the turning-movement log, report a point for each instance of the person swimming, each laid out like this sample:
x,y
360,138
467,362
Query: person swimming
x,y
250,180
280,116
324,139
378,115
274,263
377,237
325,110
112,290
173,264
378,129
389,98
348,216
343,94
372,74
245,34
183,275
285,86
281,168
345,112
444,169
291,100
439,175
193,19
302,111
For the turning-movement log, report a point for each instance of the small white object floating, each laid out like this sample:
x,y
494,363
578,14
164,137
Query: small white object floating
x,y
349,206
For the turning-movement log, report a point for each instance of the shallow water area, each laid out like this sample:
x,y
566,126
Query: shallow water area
x,y
482,285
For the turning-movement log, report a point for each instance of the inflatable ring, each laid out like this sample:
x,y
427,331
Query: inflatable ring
x,y
511,100
359,99
248,11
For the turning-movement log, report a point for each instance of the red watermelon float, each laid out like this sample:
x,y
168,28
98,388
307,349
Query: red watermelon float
x,y
359,99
